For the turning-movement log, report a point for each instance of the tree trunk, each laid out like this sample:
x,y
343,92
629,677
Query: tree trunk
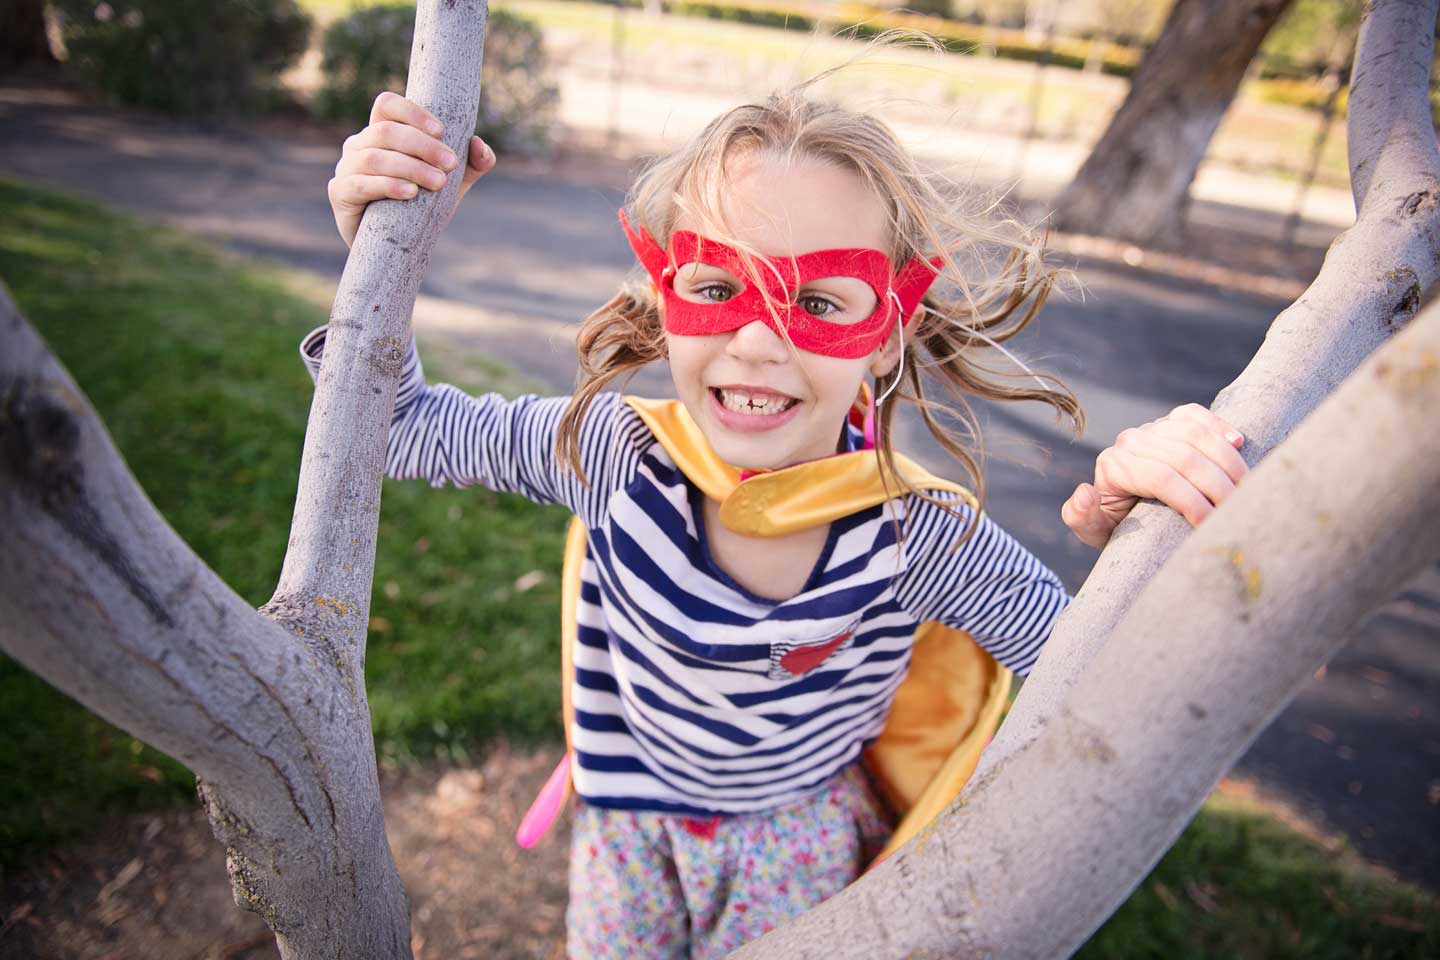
x,y
22,35
99,596
1136,182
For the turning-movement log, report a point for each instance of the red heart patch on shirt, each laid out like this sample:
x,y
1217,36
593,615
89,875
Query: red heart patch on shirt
x,y
804,659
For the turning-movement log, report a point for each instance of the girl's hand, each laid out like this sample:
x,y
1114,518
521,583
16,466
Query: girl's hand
x,y
1188,460
397,154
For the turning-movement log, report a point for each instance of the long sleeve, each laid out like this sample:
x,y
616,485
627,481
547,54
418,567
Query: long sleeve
x,y
990,586
442,434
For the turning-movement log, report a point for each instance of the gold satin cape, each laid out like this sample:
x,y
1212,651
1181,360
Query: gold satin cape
x,y
950,702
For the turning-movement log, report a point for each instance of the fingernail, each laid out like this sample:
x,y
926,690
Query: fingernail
x,y
1085,499
435,128
448,160
410,190
1235,436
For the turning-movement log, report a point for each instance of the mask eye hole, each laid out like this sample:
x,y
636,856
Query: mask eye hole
x,y
839,299
699,282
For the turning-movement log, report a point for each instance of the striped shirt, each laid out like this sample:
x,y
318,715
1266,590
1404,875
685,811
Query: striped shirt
x,y
687,692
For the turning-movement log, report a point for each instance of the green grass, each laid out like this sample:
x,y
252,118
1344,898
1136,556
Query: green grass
x,y
190,357
1241,885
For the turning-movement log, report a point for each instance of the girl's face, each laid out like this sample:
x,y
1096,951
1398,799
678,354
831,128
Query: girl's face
x,y
761,402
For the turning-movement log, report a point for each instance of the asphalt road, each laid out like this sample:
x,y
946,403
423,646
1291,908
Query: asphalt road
x,y
1357,752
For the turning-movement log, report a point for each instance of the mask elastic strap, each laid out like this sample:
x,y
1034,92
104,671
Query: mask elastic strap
x,y
871,418
1013,359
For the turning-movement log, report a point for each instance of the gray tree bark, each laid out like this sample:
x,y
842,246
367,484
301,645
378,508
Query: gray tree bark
x,y
101,598
1135,185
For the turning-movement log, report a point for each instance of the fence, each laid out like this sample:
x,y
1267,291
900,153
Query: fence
x,y
1036,98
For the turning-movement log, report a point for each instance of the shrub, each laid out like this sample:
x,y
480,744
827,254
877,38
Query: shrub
x,y
369,51
180,56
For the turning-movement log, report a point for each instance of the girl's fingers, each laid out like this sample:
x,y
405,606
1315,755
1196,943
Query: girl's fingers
x,y
351,194
1123,472
373,162
480,160
1083,514
392,106
357,190
1210,435
1193,465
390,137
1187,460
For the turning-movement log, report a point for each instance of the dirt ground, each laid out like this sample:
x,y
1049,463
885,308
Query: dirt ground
x,y
153,886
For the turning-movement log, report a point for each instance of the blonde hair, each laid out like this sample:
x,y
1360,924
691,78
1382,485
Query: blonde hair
x,y
990,287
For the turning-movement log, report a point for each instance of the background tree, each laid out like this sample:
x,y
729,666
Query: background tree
x,y
100,597
1135,184
22,34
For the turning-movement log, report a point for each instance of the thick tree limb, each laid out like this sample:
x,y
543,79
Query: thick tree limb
x,y
1054,838
1086,784
101,598
1369,287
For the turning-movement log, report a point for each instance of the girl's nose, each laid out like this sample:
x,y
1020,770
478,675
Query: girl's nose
x,y
758,342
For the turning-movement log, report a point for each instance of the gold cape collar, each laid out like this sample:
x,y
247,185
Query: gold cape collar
x,y
780,502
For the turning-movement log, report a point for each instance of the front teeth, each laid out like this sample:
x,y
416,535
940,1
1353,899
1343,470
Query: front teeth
x,y
754,404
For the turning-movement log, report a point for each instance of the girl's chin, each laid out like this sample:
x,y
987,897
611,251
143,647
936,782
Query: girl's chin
x,y
756,452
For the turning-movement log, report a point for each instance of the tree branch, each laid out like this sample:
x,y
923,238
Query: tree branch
x,y
1055,837
337,509
101,598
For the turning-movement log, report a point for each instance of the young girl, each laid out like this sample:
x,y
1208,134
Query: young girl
x,y
744,619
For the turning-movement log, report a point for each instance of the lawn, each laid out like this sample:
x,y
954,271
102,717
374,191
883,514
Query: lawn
x,y
189,355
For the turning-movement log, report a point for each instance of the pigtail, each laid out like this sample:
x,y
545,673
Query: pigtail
x,y
618,339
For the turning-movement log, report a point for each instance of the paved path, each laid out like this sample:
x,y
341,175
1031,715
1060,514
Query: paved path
x,y
1358,751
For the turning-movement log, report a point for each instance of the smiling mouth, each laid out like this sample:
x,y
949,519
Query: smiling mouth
x,y
752,403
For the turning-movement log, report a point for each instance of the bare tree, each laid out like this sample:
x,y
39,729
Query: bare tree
x,y
1135,184
101,598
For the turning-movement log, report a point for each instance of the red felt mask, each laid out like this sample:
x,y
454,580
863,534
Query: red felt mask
x,y
782,278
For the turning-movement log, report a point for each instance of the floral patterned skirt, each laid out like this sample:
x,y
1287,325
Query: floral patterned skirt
x,y
654,885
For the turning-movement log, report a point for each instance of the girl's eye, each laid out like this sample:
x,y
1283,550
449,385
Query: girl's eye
x,y
817,306
715,292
